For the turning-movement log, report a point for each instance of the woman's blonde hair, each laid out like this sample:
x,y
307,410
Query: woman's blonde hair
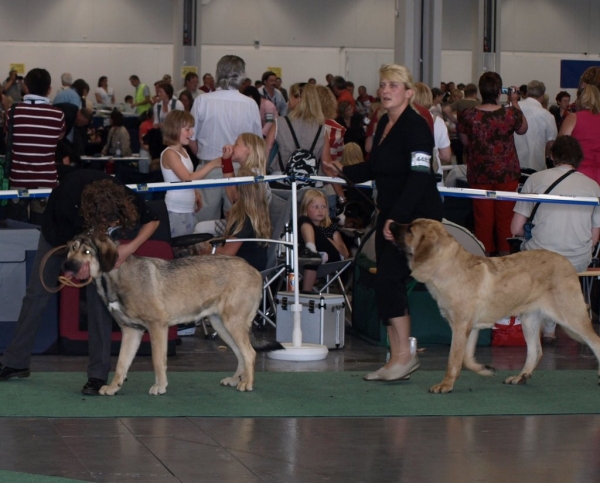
x,y
256,163
309,108
309,197
423,95
252,201
589,99
397,73
295,90
352,154
174,123
328,102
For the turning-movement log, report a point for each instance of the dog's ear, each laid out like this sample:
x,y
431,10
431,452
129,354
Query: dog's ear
x,y
426,245
107,254
399,232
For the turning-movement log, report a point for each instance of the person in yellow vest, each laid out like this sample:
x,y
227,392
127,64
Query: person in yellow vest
x,y
141,100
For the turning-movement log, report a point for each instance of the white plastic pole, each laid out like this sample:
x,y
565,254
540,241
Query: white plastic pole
x,y
297,306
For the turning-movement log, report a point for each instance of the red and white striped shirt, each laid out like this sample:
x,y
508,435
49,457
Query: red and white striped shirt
x,y
334,131
37,128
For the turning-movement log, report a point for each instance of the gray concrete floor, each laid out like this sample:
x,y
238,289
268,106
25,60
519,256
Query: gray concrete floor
x,y
307,450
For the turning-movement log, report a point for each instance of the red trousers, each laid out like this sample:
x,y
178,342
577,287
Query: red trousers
x,y
493,218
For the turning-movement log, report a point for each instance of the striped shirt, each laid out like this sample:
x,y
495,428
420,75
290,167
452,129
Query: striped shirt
x,y
37,128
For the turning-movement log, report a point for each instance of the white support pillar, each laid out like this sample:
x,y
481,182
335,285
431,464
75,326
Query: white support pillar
x,y
407,38
432,42
186,38
487,48
418,38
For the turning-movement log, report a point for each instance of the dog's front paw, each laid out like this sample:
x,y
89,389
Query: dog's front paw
x,y
108,390
442,388
244,386
520,379
487,371
157,390
230,381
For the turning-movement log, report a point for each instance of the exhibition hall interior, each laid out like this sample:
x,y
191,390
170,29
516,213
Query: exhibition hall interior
x,y
325,127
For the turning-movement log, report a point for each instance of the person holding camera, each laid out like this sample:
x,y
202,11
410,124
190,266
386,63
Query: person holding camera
x,y
568,229
13,86
487,131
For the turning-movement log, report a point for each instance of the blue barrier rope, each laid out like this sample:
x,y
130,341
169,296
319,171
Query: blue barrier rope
x,y
217,183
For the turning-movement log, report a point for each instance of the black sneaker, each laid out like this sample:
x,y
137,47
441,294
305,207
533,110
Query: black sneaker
x,y
9,372
92,386
306,256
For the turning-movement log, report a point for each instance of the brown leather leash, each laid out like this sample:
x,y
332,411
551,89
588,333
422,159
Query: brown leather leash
x,y
61,278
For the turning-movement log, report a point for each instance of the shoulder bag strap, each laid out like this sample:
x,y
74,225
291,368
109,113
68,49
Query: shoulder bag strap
x,y
293,133
550,188
312,148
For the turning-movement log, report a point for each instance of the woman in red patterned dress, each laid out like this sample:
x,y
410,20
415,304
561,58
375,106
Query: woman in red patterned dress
x,y
487,131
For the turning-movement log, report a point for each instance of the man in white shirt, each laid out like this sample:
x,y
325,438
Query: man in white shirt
x,y
221,116
533,147
569,229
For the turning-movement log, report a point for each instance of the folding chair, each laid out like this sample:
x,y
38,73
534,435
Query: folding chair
x,y
330,271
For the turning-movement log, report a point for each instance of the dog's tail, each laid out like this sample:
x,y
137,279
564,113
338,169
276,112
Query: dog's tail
x,y
263,345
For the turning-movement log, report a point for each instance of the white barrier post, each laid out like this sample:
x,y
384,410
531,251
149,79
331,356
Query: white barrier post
x,y
297,351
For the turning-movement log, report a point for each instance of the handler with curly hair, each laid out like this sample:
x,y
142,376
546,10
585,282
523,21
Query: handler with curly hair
x,y
85,200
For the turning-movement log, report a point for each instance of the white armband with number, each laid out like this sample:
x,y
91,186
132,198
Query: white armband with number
x,y
420,161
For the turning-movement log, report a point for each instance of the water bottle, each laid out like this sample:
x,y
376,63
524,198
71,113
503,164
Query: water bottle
x,y
291,282
413,345
118,150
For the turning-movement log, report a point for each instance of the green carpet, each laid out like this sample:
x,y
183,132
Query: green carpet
x,y
54,394
14,477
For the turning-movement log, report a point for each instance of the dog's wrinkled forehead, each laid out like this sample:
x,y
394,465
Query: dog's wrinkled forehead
x,y
82,245
419,231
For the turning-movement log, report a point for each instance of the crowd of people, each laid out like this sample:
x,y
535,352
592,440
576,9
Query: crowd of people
x,y
400,136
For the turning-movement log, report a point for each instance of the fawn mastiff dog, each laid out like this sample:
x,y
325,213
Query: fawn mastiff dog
x,y
152,294
474,292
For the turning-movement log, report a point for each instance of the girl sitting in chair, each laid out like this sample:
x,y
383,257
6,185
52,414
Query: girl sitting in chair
x,y
319,237
249,215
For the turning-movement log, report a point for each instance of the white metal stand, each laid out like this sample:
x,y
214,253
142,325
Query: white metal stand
x,y
297,351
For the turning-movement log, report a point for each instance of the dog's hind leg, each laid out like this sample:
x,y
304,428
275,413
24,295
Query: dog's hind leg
x,y
159,334
226,337
236,333
531,324
580,328
130,342
469,361
460,333
240,332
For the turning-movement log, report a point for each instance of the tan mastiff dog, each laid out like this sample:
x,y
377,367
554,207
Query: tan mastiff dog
x,y
475,292
152,294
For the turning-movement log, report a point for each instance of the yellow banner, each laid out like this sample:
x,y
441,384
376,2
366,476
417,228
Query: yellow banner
x,y
20,68
277,70
188,68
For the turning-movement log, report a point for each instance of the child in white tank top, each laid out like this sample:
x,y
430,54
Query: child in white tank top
x,y
176,166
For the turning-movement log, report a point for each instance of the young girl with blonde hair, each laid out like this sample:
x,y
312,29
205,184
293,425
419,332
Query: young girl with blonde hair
x,y
249,215
318,235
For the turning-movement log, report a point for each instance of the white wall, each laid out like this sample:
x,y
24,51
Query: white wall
x,y
87,21
517,68
92,60
299,23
